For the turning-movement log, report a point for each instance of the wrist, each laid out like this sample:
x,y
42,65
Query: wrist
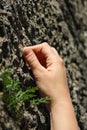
x,y
61,96
64,100
63,111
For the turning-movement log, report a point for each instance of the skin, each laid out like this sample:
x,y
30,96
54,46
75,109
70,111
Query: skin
x,y
50,75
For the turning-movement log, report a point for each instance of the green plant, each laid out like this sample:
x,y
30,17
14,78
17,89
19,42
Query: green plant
x,y
15,97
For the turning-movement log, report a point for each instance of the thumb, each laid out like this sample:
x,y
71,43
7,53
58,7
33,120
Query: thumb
x,y
31,59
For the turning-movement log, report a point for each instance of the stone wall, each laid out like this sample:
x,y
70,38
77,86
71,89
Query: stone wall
x,y
63,24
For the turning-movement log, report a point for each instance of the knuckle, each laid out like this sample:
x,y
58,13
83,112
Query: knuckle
x,y
30,57
61,62
45,43
54,50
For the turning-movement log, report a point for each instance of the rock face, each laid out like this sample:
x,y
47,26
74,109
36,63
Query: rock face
x,y
63,24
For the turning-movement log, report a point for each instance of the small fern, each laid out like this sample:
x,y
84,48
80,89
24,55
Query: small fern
x,y
15,97
39,101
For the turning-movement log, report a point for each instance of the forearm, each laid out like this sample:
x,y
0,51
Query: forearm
x,y
63,116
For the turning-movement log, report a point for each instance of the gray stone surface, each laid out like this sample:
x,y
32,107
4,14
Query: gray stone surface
x,y
63,24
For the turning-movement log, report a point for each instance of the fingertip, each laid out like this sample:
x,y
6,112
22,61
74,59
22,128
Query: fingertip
x,y
26,51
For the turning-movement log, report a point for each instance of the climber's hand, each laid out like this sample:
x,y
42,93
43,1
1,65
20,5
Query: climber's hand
x,y
48,69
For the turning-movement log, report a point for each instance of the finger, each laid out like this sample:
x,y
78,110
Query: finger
x,y
56,53
31,59
43,49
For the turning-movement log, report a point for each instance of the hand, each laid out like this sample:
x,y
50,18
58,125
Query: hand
x,y
50,75
48,69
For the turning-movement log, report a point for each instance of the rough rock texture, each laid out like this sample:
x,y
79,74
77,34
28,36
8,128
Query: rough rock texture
x,y
61,23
